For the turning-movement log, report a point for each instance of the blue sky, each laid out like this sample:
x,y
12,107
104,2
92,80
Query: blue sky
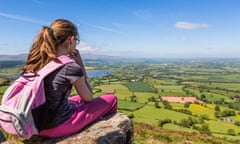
x,y
131,28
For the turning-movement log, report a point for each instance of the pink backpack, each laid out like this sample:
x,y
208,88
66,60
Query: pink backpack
x,y
23,95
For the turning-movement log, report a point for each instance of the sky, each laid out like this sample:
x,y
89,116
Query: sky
x,y
129,28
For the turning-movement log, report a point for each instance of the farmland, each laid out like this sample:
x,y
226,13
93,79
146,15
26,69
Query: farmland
x,y
215,82
139,86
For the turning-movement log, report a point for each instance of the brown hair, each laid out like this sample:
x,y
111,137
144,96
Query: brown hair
x,y
44,47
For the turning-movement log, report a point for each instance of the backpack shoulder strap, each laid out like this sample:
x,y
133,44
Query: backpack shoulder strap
x,y
39,96
53,65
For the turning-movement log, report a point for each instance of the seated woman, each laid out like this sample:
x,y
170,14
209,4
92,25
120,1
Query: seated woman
x,y
62,115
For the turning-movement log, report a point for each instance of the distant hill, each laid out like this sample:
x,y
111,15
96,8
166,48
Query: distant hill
x,y
23,57
20,57
91,56
88,56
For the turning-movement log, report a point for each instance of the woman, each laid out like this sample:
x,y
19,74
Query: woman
x,y
61,115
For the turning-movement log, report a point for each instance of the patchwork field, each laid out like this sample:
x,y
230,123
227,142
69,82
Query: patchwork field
x,y
140,92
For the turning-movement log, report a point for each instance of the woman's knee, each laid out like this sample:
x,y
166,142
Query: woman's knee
x,y
110,98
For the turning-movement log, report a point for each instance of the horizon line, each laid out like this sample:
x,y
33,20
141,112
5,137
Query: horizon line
x,y
145,57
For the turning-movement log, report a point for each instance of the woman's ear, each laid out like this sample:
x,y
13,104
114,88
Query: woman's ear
x,y
71,40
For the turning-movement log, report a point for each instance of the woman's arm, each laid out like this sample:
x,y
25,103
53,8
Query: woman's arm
x,y
83,90
78,59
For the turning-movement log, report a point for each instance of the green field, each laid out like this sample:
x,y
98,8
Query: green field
x,y
139,92
213,85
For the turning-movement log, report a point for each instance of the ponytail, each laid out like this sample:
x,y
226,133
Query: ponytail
x,y
42,51
44,47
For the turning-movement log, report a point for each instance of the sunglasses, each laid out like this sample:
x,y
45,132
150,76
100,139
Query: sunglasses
x,y
77,40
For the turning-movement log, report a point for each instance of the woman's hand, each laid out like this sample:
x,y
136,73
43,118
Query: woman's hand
x,y
77,57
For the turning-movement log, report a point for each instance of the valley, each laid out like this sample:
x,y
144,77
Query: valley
x,y
144,86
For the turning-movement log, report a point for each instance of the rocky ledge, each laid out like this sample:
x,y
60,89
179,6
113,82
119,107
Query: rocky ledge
x,y
115,129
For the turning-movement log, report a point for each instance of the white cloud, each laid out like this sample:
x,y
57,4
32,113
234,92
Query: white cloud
x,y
21,18
142,14
84,47
105,28
37,1
121,25
187,25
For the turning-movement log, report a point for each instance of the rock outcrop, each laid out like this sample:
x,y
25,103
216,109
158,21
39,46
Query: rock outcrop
x,y
116,129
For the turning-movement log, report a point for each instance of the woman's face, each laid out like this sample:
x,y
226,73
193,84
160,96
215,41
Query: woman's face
x,y
73,42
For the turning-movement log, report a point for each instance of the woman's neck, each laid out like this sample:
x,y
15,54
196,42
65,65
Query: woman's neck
x,y
62,51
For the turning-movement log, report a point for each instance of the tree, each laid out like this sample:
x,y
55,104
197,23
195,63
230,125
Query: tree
x,y
186,105
205,129
217,108
167,105
131,116
152,99
188,122
157,105
165,121
231,132
217,114
203,97
237,123
133,98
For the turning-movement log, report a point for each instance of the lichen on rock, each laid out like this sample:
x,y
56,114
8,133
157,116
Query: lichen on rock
x,y
115,129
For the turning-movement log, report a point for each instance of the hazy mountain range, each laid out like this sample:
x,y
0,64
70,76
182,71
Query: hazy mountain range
x,y
18,57
108,58
23,57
